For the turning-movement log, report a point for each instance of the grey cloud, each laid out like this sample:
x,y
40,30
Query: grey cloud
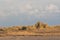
x,y
38,9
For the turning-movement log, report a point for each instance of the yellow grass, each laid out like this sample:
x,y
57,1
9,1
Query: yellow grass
x,y
36,29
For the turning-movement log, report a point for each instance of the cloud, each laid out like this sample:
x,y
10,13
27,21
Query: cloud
x,y
25,8
52,8
28,10
29,7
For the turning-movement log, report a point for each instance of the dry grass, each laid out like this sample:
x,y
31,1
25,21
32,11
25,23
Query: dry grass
x,y
36,29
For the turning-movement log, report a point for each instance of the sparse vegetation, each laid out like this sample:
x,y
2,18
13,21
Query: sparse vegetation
x,y
24,28
30,30
1,30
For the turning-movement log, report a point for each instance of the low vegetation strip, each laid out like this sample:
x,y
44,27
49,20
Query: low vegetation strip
x,y
37,29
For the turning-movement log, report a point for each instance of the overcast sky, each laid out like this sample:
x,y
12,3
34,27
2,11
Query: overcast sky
x,y
28,12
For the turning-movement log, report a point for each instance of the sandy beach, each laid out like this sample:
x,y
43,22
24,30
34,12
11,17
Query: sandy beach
x,y
30,38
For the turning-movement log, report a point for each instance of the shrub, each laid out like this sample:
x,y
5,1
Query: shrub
x,y
1,30
24,28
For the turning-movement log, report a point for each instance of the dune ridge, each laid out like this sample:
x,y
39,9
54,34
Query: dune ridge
x,y
37,29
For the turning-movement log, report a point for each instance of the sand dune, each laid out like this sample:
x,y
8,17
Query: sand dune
x,y
37,29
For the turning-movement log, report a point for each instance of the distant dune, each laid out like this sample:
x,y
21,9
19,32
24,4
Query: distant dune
x,y
37,29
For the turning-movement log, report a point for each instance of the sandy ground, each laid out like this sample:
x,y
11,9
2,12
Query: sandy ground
x,y
30,38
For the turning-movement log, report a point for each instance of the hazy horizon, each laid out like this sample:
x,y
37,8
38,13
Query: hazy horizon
x,y
28,12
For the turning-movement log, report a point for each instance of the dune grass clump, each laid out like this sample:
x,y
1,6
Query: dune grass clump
x,y
35,29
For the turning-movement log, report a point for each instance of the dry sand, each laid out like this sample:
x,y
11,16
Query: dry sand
x,y
30,38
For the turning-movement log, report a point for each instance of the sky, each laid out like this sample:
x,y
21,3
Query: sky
x,y
28,12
